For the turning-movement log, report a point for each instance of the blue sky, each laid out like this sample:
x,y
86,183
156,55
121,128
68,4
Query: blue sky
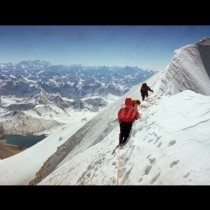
x,y
148,47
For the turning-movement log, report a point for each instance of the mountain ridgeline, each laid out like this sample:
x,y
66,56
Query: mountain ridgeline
x,y
36,96
29,78
168,145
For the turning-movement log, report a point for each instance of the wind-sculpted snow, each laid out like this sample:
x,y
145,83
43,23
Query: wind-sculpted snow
x,y
188,70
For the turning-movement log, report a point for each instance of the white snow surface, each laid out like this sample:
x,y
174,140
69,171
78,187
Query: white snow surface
x,y
21,168
168,145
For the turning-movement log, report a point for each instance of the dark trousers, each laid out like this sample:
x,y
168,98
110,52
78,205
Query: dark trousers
x,y
125,128
143,94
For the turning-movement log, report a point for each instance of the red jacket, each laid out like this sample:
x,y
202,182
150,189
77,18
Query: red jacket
x,y
128,113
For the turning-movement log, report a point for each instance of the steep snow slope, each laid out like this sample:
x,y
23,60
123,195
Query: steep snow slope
x,y
204,50
188,70
91,133
168,145
22,168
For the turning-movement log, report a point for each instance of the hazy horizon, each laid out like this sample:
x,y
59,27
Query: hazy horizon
x,y
146,47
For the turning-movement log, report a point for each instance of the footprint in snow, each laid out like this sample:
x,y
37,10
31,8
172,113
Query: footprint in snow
x,y
172,164
147,169
171,143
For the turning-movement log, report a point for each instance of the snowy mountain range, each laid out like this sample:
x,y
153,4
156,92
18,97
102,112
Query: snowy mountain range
x,y
29,78
36,97
168,145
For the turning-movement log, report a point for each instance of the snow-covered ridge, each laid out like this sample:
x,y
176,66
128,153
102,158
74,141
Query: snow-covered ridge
x,y
188,70
161,133
168,145
205,41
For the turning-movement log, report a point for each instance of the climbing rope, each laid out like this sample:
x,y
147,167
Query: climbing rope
x,y
118,167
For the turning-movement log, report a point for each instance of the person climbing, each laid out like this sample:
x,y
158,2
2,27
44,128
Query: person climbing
x,y
144,90
126,116
136,104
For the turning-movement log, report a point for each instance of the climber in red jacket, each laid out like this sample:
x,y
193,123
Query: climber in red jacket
x,y
126,117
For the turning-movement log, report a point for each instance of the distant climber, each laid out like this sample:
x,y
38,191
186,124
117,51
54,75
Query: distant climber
x,y
126,117
144,90
136,104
